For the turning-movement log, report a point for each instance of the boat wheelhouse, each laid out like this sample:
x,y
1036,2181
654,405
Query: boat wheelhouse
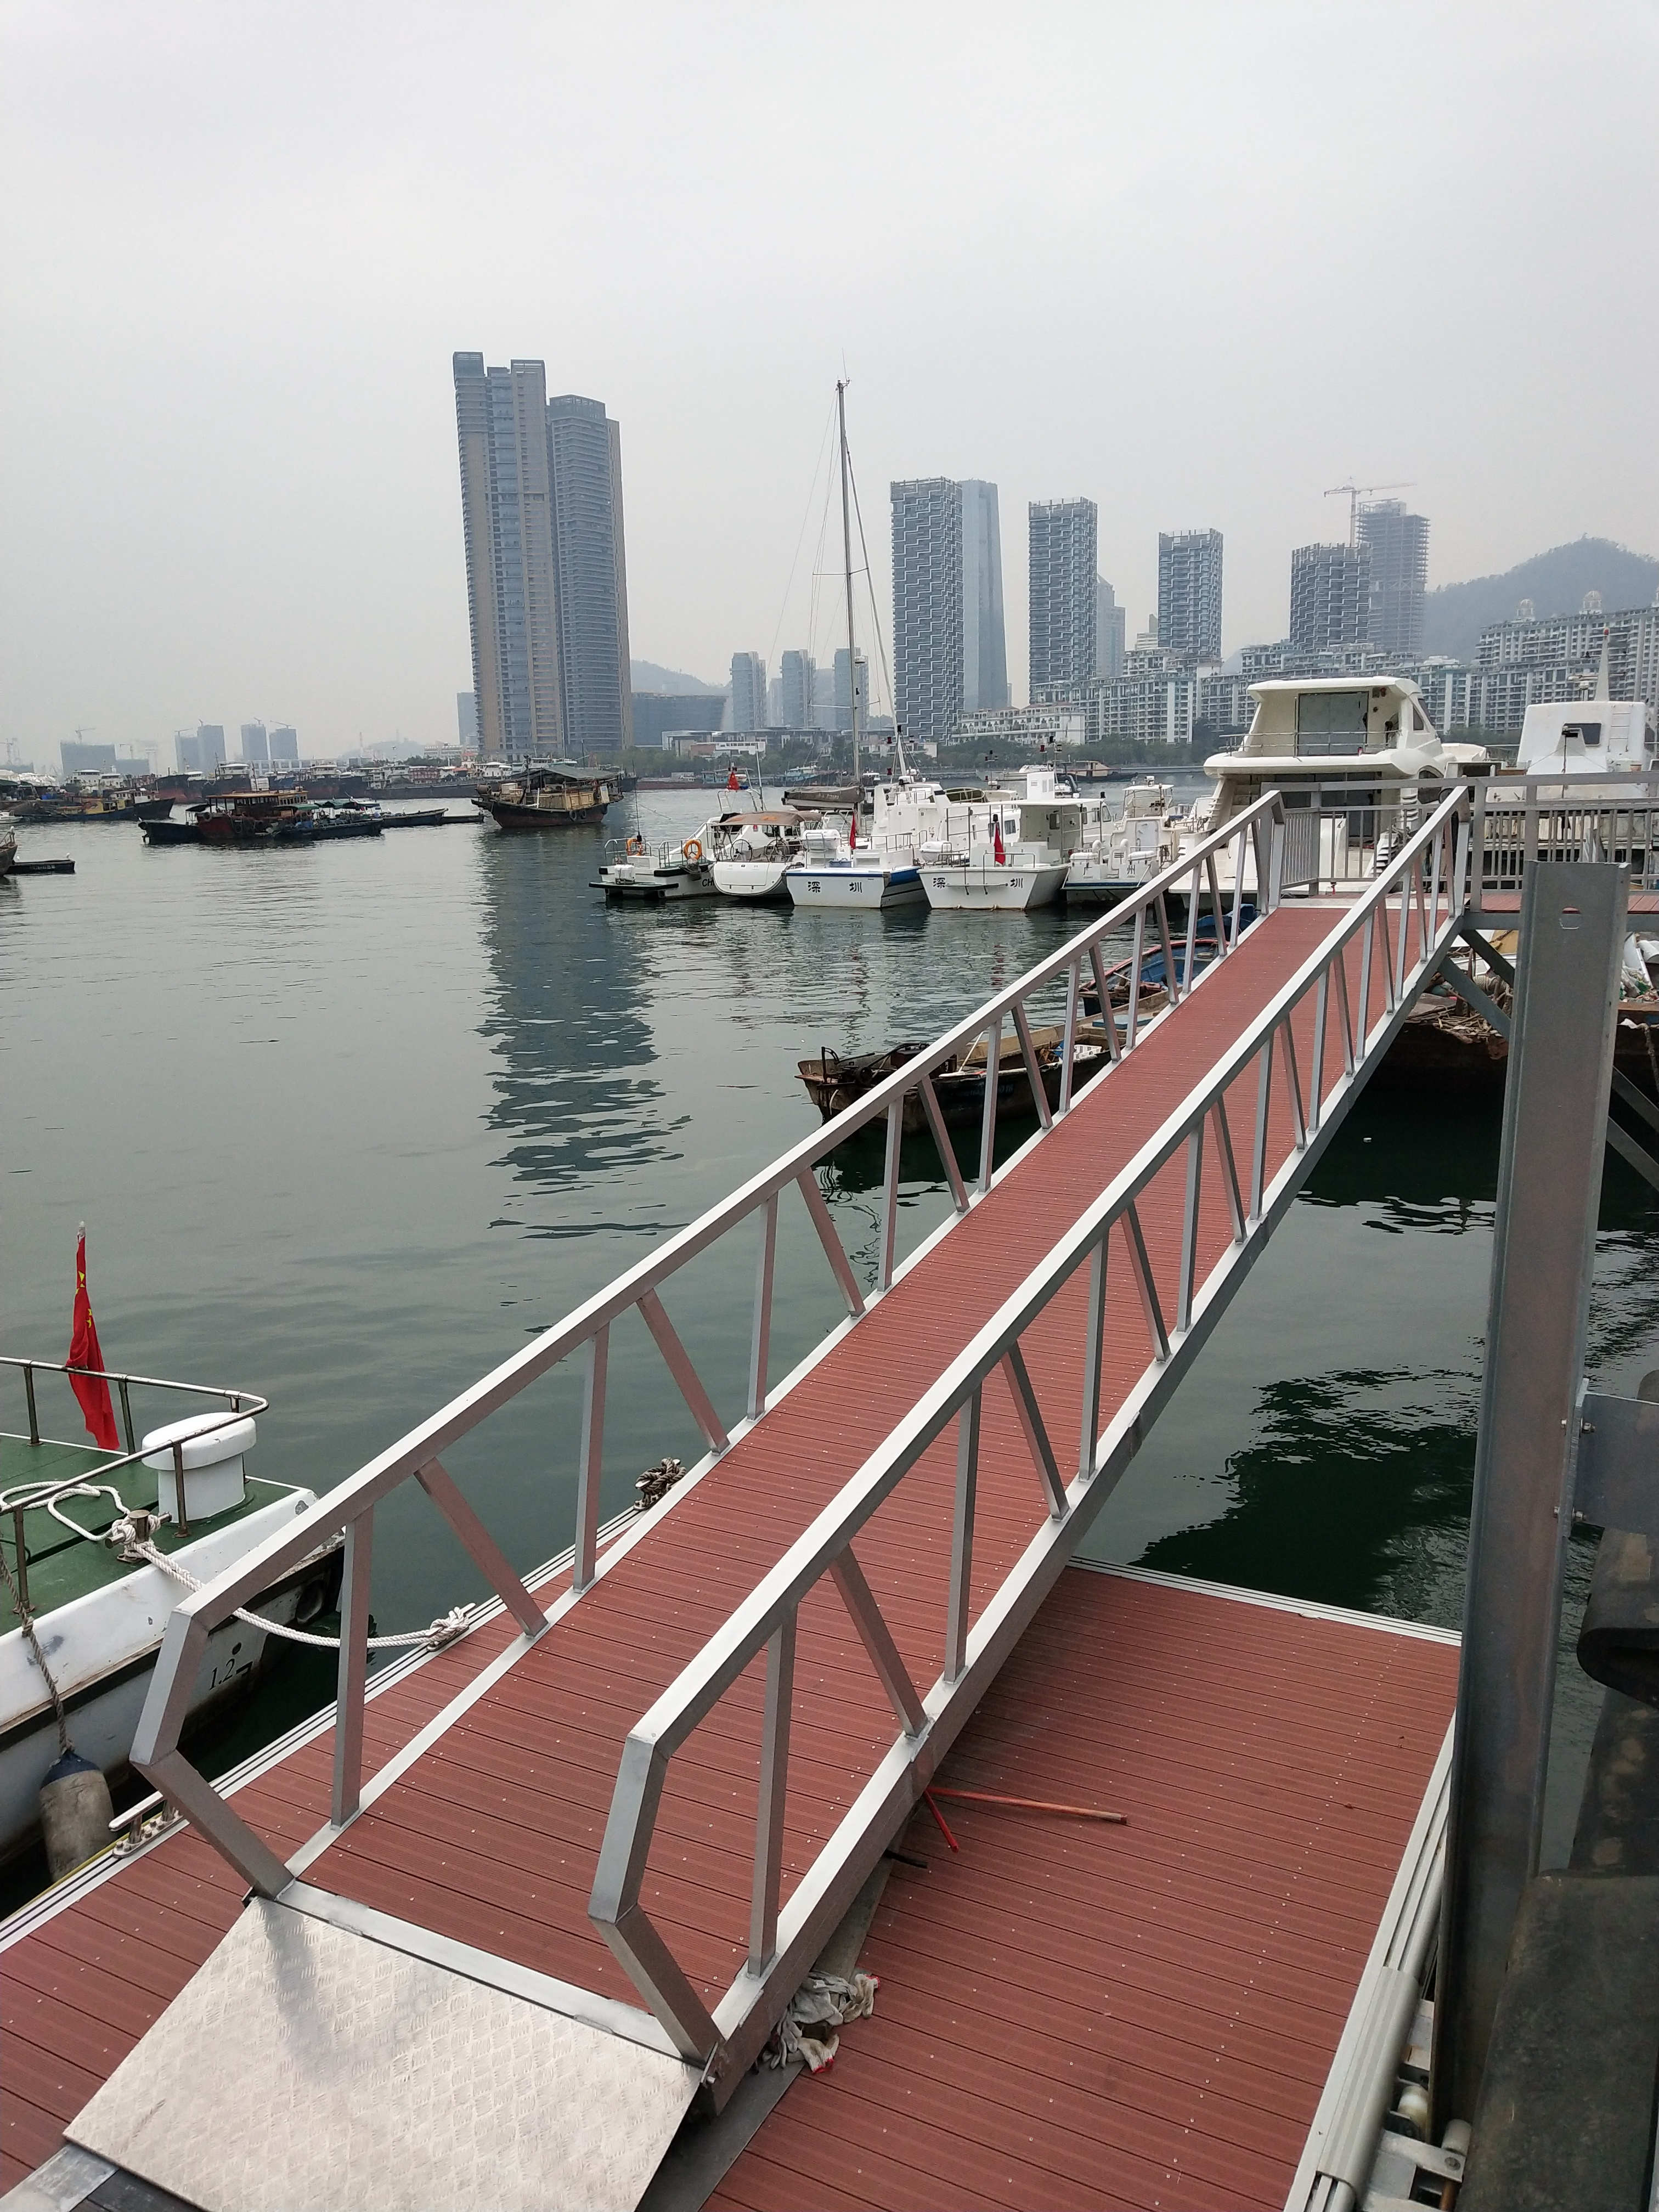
x,y
1018,849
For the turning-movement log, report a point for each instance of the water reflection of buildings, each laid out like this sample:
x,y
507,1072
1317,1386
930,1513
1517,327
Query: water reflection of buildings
x,y
567,1025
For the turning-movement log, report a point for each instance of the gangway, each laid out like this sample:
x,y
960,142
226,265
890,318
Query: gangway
x,y
641,1817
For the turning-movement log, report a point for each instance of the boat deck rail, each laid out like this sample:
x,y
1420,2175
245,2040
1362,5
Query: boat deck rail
x,y
1359,981
348,1509
41,1493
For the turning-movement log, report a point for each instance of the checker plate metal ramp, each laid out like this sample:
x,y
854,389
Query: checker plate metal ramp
x,y
306,2065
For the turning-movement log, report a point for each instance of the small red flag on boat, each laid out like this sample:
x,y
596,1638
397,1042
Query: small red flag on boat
x,y
999,850
731,781
85,1352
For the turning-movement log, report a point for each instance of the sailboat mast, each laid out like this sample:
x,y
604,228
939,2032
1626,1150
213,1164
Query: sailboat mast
x,y
846,554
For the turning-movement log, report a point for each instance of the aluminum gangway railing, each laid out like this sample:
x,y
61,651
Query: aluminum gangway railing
x,y
1378,953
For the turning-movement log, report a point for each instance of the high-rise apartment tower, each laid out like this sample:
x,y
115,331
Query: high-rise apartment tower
x,y
546,572
1398,544
748,691
1189,594
1109,624
795,702
256,747
1062,535
1330,596
950,657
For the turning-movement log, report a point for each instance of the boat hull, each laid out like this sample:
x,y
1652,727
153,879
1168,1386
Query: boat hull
x,y
647,886
757,881
856,887
973,890
508,816
120,1633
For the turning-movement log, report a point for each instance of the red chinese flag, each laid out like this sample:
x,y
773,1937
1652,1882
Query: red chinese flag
x,y
731,782
999,850
85,1352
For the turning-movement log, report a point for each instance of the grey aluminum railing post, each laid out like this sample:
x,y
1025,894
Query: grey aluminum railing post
x,y
353,1676
1549,1183
987,1122
1189,1228
593,1458
1069,1037
1134,979
773,1790
126,1413
28,1392
1094,1350
962,1538
890,1190
760,1334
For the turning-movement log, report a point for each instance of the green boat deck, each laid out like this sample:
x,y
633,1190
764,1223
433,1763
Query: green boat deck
x,y
58,1565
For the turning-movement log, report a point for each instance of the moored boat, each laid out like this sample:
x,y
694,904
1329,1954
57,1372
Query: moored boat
x,y
751,853
1127,849
8,844
98,1547
1016,854
546,796
652,875
834,1080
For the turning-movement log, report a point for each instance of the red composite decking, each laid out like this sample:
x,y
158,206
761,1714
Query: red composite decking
x,y
1072,2015
492,1835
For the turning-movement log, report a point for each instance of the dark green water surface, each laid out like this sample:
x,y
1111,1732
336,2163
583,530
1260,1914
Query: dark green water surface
x,y
348,1124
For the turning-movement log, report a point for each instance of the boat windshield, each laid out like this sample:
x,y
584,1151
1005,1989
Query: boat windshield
x,y
1330,723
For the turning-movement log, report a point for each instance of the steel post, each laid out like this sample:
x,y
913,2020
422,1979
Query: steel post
x,y
1555,1112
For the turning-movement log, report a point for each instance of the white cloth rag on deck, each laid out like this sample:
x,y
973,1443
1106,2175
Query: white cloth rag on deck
x,y
822,2004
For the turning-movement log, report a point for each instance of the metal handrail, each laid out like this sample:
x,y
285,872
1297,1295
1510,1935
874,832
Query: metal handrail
x,y
349,1507
1427,877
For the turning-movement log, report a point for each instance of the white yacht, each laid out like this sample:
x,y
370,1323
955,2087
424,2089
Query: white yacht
x,y
907,814
1356,759
751,853
1016,853
1129,848
1588,738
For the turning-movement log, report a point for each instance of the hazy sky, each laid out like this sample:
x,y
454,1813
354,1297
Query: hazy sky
x,y
1196,262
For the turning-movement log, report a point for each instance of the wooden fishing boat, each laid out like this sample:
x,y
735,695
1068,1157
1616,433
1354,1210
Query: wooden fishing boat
x,y
546,798
835,1080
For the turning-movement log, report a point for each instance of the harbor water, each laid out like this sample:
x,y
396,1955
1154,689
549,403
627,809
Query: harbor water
x,y
348,1123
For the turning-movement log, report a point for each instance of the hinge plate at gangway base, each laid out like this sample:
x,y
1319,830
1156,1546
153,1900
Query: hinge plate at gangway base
x,y
305,2064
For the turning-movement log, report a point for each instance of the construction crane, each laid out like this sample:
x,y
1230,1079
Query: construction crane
x,y
1355,494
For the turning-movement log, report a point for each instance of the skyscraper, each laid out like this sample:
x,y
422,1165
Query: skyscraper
x,y
748,691
541,510
256,749
1108,630
1061,539
1398,544
795,707
1189,594
586,446
949,651
1330,596
285,746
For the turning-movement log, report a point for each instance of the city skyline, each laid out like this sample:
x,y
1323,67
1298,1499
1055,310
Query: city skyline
x,y
261,504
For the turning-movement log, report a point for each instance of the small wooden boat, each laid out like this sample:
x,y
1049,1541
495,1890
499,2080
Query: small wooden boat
x,y
835,1081
546,798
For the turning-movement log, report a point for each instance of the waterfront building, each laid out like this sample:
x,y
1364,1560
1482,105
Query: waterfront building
x,y
1330,596
1397,546
1109,625
1189,594
1053,722
203,754
844,692
657,712
823,698
83,759
748,692
256,747
950,655
547,594
1149,706
285,746
1062,535
584,447
795,702
466,720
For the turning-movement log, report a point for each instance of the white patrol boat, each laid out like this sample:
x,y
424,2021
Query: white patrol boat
x,y
1356,759
1130,848
907,813
1016,853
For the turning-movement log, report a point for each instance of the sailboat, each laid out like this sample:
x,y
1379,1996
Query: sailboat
x,y
879,869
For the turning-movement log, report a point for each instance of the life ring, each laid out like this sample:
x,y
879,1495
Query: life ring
x,y
692,851
635,845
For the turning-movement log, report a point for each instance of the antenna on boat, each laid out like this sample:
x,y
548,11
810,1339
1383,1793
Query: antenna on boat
x,y
852,648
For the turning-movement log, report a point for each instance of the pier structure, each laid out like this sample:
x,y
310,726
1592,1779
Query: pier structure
x,y
521,1915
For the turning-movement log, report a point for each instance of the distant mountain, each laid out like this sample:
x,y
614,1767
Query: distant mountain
x,y
1555,582
648,676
